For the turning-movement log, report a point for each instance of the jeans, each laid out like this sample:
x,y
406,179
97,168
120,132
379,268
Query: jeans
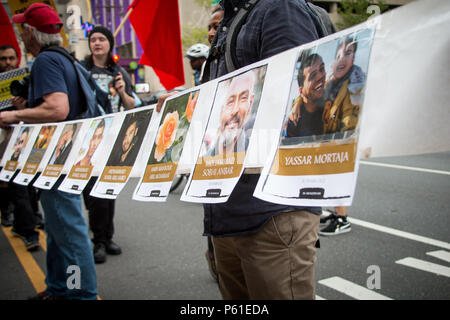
x,y
68,244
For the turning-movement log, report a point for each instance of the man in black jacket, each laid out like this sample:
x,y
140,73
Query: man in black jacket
x,y
263,250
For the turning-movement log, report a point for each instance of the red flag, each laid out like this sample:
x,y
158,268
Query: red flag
x,y
7,31
157,25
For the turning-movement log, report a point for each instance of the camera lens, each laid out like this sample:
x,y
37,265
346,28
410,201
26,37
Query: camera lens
x,y
19,88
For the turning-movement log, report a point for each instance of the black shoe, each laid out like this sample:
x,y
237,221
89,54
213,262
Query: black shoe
x,y
327,215
99,253
7,219
337,226
31,242
113,248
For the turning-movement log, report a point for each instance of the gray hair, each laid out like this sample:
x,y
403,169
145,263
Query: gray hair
x,y
46,39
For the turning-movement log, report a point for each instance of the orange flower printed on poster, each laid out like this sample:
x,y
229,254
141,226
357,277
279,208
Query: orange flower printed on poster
x,y
191,106
166,134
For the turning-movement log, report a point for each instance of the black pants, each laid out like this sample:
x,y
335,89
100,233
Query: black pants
x,y
24,199
101,214
5,199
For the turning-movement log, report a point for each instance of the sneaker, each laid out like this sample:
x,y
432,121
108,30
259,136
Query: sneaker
x,y
337,226
113,248
99,252
327,215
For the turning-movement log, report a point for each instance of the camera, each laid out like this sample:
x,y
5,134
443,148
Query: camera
x,y
19,88
115,74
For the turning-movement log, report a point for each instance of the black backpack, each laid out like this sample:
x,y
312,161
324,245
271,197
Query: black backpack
x,y
320,17
96,100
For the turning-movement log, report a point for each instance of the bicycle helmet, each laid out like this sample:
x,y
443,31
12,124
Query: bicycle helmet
x,y
198,50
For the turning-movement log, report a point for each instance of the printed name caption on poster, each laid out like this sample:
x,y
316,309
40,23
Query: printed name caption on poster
x,y
335,157
226,166
227,309
161,172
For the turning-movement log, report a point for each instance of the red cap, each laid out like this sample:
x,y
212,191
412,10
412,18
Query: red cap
x,y
41,16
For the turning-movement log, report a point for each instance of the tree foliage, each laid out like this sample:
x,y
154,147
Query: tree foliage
x,y
192,34
354,12
204,3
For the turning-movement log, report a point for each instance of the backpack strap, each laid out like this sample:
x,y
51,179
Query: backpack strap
x,y
62,51
322,21
231,61
96,101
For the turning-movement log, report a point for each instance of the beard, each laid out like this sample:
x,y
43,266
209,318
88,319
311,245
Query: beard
x,y
228,138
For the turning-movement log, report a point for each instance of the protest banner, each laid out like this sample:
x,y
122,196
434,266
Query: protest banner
x,y
18,150
227,136
123,154
5,136
40,148
60,152
167,148
88,155
402,111
315,163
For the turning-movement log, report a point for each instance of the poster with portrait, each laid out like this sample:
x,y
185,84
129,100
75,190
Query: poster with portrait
x,y
65,138
16,153
5,137
123,154
226,139
315,162
40,147
167,148
89,154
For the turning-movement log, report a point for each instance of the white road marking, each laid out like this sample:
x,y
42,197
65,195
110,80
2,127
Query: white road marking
x,y
440,254
351,289
319,298
399,233
425,266
396,166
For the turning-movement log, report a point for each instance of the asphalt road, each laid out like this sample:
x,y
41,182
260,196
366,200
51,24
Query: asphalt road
x,y
163,248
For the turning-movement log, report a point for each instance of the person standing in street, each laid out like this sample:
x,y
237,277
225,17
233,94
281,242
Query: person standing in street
x,y
55,95
111,78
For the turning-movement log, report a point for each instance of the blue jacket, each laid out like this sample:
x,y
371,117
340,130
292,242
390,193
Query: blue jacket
x,y
273,26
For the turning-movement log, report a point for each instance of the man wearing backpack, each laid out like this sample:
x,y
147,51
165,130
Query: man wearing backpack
x,y
55,95
263,250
